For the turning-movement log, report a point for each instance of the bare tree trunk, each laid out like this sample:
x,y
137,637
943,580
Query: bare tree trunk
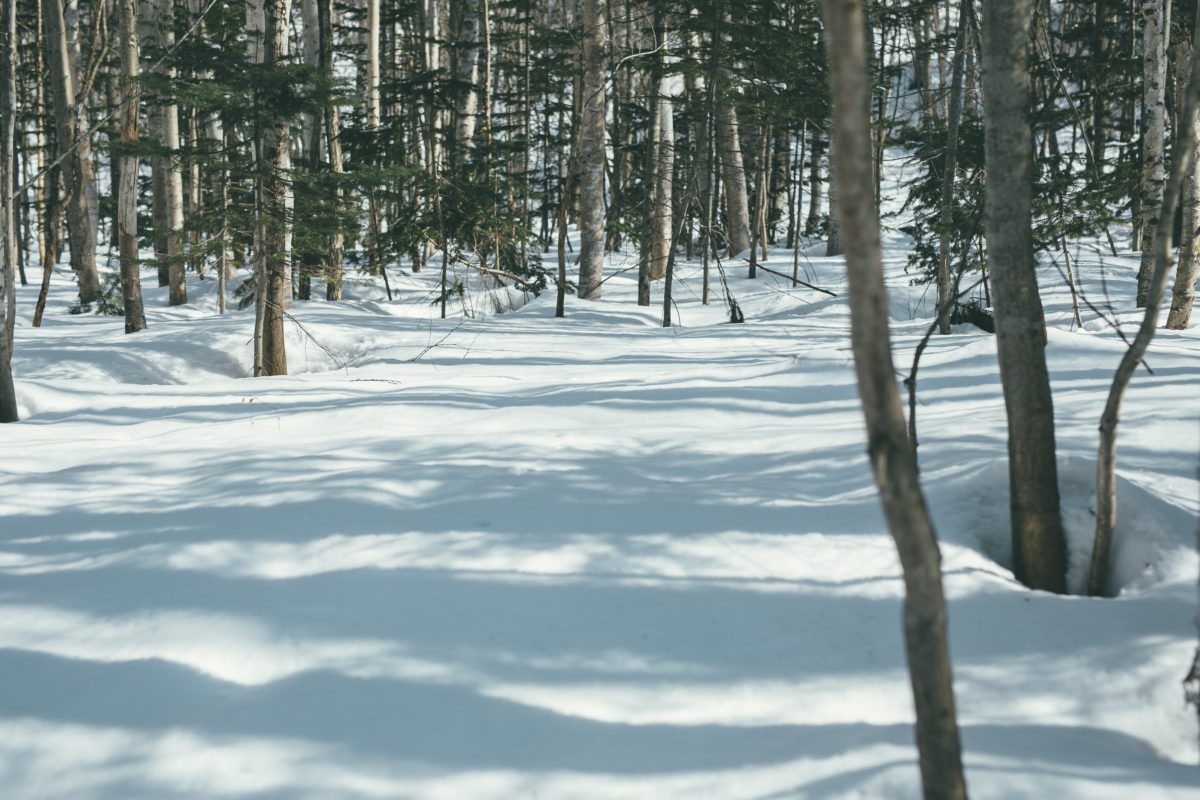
x,y
468,74
310,51
131,283
333,133
893,458
1189,247
1156,15
148,15
833,240
649,172
255,28
8,232
812,219
1039,550
737,203
172,172
276,200
591,146
79,166
662,225
1106,482
954,115
374,115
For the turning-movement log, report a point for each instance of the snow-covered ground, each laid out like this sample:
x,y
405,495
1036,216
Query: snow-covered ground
x,y
514,556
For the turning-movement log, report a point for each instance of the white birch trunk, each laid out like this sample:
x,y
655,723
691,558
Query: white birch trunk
x,y
172,172
468,74
1184,292
662,230
737,202
1156,15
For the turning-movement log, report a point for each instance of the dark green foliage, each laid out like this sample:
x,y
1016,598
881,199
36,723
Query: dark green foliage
x,y
926,141
110,303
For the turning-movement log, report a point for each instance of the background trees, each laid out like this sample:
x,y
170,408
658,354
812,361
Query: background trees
x,y
318,140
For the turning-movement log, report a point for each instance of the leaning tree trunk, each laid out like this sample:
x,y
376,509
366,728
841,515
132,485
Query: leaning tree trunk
x,y
1157,15
1039,549
79,171
8,231
276,199
1106,481
131,284
893,458
591,150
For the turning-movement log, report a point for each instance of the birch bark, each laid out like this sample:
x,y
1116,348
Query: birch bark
x,y
1156,16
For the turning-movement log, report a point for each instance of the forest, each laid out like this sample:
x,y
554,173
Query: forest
x,y
499,398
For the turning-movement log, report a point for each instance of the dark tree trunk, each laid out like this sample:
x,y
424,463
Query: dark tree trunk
x,y
1039,550
276,197
8,231
893,458
131,284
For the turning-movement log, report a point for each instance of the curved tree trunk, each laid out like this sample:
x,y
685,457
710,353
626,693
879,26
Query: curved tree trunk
x,y
1039,549
893,458
1106,482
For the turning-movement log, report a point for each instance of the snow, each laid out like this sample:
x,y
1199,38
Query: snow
x,y
513,556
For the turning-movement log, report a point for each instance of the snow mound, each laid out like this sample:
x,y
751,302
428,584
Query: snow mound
x,y
1152,541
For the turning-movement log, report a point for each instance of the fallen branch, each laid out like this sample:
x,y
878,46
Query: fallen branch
x,y
795,281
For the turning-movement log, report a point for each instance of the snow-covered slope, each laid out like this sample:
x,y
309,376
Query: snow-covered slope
x,y
514,556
